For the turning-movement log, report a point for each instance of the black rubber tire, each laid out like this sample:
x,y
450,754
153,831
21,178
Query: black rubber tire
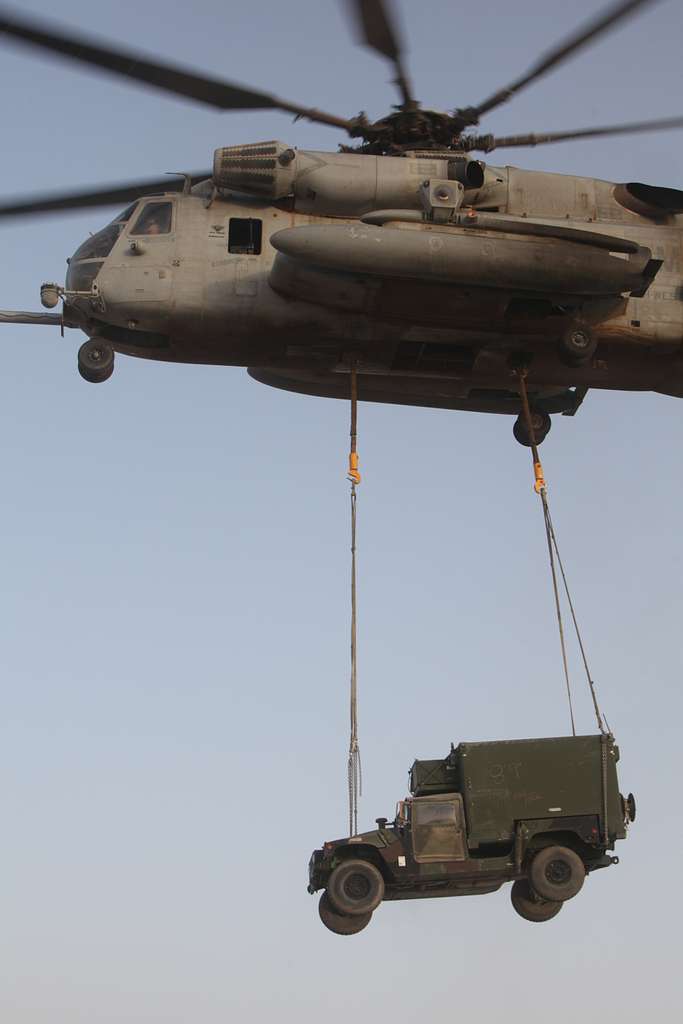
x,y
541,423
95,361
532,907
355,887
341,924
557,873
577,344
631,807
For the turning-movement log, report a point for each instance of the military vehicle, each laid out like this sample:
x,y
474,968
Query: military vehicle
x,y
540,813
432,273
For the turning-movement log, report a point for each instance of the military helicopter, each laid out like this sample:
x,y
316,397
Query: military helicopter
x,y
436,276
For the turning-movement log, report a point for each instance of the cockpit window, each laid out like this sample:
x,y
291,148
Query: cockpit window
x,y
124,217
98,246
155,219
80,276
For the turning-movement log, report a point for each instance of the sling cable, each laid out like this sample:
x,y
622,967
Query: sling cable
x,y
556,562
354,773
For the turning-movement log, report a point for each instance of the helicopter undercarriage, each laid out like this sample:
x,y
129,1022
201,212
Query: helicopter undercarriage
x,y
423,373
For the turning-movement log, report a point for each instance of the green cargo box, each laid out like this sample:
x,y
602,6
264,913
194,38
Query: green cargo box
x,y
507,781
428,778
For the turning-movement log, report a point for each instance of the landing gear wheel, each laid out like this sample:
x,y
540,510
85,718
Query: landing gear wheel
x,y
95,361
577,344
556,873
355,887
541,423
532,907
341,924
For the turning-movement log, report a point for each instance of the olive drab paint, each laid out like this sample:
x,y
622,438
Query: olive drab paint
x,y
541,813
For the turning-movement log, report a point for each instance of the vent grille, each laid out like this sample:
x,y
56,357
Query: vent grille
x,y
265,169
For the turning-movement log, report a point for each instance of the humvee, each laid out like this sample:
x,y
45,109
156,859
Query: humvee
x,y
540,813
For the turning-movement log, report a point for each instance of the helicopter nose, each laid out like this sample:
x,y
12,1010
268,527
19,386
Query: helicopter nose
x,y
81,274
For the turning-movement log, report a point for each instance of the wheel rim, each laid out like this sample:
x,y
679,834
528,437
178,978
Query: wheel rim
x,y
357,887
558,872
580,340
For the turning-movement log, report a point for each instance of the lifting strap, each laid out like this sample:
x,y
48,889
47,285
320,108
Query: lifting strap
x,y
354,773
554,555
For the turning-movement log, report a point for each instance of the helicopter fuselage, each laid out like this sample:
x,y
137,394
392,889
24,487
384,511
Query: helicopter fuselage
x,y
244,281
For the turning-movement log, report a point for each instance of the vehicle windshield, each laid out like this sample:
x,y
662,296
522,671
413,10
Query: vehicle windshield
x,y
432,812
98,246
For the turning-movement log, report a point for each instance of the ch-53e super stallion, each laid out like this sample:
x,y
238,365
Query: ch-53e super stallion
x,y
436,276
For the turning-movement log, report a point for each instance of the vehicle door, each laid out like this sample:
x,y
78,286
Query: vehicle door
x,y
139,274
438,829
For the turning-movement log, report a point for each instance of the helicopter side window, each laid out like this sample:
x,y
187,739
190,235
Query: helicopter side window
x,y
155,219
244,236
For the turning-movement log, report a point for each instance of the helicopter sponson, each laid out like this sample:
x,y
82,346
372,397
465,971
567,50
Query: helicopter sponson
x,y
579,263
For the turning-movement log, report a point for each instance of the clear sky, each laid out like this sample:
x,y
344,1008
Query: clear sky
x,y
174,601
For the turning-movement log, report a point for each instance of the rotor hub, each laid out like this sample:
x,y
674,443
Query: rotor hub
x,y
407,129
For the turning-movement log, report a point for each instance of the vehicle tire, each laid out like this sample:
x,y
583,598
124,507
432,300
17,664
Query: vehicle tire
x,y
355,887
341,924
631,807
577,344
532,907
541,423
95,361
556,873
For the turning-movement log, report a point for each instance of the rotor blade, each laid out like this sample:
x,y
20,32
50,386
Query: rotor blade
x,y
114,194
379,30
12,316
617,12
212,91
487,143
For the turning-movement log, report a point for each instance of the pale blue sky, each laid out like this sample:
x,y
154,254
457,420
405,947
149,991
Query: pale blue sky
x,y
174,551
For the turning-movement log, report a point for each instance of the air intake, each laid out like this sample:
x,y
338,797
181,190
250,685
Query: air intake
x,y
264,169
